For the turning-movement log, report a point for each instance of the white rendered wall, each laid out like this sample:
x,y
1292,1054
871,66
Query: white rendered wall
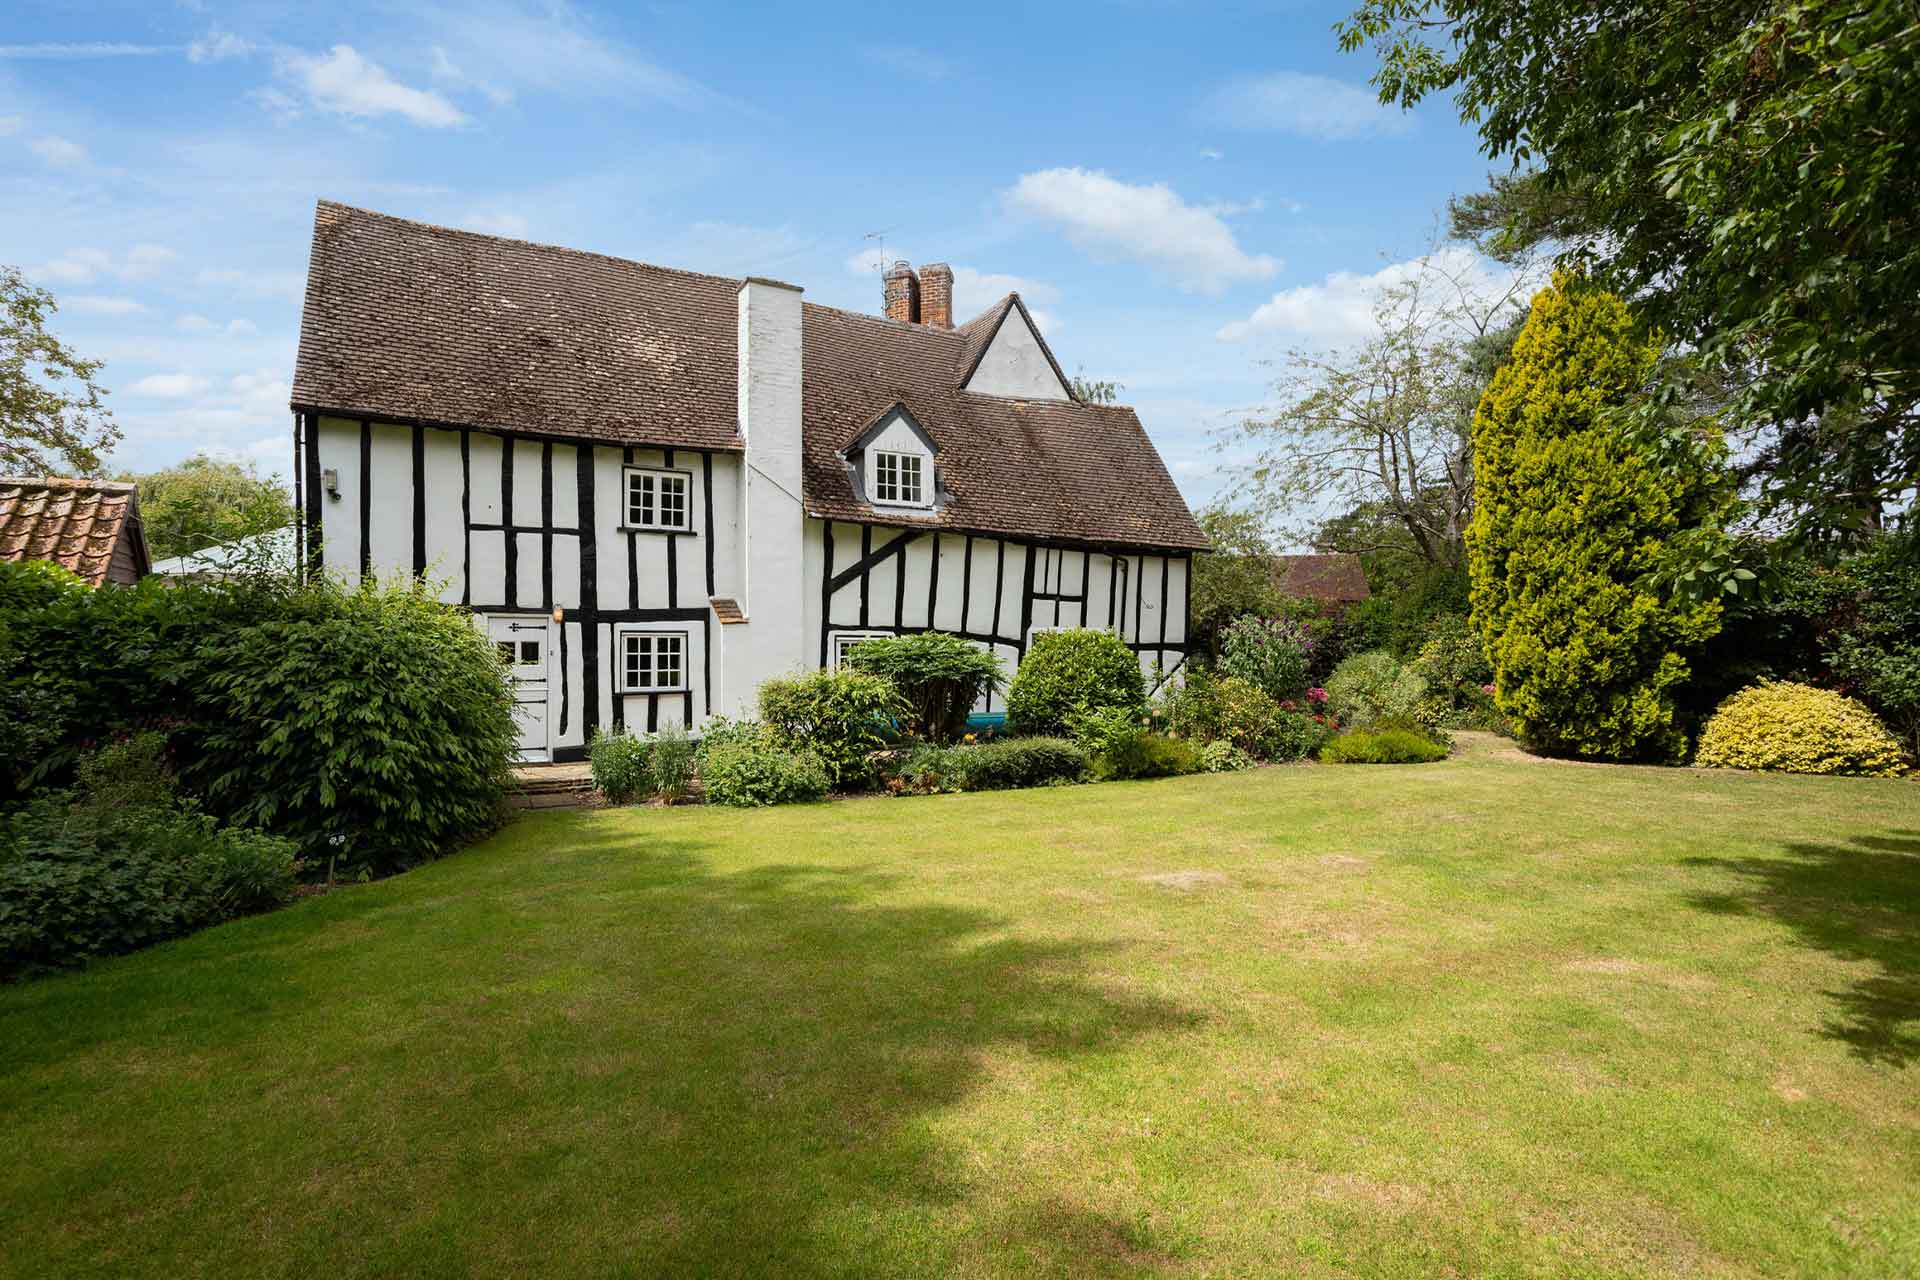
x,y
1015,365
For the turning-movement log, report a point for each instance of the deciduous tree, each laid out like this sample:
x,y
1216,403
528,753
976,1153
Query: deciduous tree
x,y
52,413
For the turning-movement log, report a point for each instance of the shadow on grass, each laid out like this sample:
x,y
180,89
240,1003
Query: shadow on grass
x,y
1859,901
605,1056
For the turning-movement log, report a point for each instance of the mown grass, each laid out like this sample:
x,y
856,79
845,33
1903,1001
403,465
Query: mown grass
x,y
1489,1017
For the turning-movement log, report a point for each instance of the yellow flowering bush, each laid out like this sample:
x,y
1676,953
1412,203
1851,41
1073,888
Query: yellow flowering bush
x,y
1796,728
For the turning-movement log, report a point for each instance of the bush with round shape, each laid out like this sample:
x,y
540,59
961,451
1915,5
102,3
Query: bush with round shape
x,y
939,676
618,762
1273,654
1373,686
1796,728
1146,755
1221,756
841,717
746,775
1381,746
1018,762
1069,670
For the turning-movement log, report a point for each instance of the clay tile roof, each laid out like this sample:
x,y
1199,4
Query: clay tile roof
x,y
1336,576
74,523
413,321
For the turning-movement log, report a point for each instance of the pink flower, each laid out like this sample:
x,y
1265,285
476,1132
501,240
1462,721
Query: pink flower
x,y
1487,689
1316,694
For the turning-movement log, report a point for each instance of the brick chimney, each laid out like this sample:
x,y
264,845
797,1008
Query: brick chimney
x,y
936,295
903,294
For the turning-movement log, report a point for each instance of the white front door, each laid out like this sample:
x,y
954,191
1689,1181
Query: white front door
x,y
522,641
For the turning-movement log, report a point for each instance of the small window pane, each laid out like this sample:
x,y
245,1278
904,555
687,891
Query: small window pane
x,y
529,653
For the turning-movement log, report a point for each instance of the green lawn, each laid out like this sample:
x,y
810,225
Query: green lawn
x,y
1488,1017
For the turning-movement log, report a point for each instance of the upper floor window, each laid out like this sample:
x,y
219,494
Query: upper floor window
x,y
901,479
659,500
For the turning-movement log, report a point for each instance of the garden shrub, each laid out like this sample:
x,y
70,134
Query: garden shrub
x,y
1573,514
722,731
841,717
1069,670
671,763
1796,728
1381,746
1147,755
1373,686
1018,762
1273,654
619,763
1221,756
746,775
939,676
123,862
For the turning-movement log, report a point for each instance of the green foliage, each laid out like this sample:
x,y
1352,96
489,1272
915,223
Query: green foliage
x,y
1221,756
940,676
1233,580
1069,670
1382,746
1571,520
1796,728
1147,755
1272,654
671,763
53,417
744,774
125,862
840,717
373,726
1373,686
1211,708
1001,765
1456,670
726,731
1743,172
205,502
620,765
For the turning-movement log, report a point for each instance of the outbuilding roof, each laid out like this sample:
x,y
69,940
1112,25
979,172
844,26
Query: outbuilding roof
x,y
77,524
1334,576
413,322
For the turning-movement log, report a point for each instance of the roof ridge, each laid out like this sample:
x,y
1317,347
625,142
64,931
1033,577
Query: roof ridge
x,y
542,245
70,482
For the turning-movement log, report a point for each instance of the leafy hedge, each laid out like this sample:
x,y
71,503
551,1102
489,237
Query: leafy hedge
x,y
745,774
371,725
1796,728
1065,671
841,717
124,862
1002,765
1382,746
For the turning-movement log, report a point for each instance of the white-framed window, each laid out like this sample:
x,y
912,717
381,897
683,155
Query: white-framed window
x,y
653,661
838,642
901,479
659,500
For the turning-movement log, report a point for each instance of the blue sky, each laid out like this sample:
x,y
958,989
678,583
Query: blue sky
x,y
1180,192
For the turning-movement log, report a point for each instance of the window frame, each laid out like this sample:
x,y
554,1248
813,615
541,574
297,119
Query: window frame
x,y
838,638
623,636
923,466
628,477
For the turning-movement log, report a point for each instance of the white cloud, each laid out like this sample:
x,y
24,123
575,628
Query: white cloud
x,y
1340,308
1312,106
10,125
75,266
241,328
144,259
57,50
496,223
192,324
261,393
344,82
499,49
216,46
258,284
1148,223
58,151
169,386
1212,153
281,106
92,304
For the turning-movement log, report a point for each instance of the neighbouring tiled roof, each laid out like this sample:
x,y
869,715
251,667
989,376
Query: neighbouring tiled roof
x,y
1330,575
420,322
74,523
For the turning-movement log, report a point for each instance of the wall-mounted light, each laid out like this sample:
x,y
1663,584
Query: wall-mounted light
x,y
559,614
330,481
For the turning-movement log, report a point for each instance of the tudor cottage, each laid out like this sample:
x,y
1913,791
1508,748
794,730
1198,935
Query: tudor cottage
x,y
656,489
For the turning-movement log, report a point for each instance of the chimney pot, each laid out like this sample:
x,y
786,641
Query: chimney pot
x,y
936,295
902,294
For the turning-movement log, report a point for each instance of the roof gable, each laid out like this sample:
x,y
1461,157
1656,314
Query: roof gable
x,y
1006,356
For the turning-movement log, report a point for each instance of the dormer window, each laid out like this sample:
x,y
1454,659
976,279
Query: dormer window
x,y
900,479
